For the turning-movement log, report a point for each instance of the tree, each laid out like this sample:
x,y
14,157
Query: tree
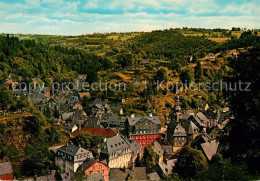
x,y
243,138
149,157
191,163
198,72
23,102
6,98
186,76
162,74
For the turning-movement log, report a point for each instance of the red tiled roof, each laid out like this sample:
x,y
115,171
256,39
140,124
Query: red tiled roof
x,y
97,131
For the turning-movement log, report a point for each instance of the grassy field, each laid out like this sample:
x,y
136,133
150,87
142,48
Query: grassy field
x,y
219,40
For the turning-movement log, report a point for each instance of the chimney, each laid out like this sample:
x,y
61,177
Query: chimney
x,y
132,115
150,115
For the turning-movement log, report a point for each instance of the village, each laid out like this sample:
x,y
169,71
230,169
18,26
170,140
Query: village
x,y
125,138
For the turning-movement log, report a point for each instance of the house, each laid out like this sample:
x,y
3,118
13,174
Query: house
x,y
158,150
94,166
210,148
92,122
210,55
183,129
154,176
70,157
83,94
168,151
166,168
71,127
6,171
136,173
105,132
115,121
66,116
203,119
204,106
146,60
116,150
81,78
79,117
77,106
144,129
191,129
136,149
98,108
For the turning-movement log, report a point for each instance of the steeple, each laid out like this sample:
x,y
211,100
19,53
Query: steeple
x,y
177,108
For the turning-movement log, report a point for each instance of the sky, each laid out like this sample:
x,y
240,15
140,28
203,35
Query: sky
x,y
76,17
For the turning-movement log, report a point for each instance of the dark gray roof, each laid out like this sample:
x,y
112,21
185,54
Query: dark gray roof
x,y
114,120
117,174
134,120
74,150
167,149
65,116
202,117
6,168
95,177
117,143
179,131
92,122
135,147
154,176
167,167
70,125
157,148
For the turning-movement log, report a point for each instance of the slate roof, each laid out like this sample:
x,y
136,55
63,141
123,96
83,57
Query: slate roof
x,y
157,148
133,120
65,107
167,149
154,176
202,117
135,147
92,122
179,131
65,116
114,120
74,150
95,177
193,129
116,144
117,174
167,167
6,168
189,126
210,148
105,132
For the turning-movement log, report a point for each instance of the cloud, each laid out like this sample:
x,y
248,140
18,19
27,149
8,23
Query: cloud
x,y
79,16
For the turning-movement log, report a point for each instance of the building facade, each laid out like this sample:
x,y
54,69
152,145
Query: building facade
x,y
93,167
144,129
70,157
